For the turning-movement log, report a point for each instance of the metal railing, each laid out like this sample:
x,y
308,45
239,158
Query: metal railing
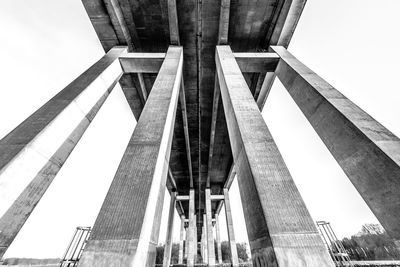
x,y
76,246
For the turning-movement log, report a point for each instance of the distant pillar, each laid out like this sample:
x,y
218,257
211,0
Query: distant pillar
x,y
186,242
181,239
280,229
126,230
46,139
191,232
204,240
170,227
231,232
368,153
209,231
196,244
218,239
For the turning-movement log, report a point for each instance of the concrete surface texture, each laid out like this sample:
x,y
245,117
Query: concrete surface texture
x,y
196,77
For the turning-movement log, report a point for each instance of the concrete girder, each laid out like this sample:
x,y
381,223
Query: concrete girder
x,y
281,35
46,139
127,235
368,153
279,226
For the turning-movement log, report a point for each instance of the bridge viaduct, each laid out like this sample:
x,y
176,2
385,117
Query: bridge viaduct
x,y
196,74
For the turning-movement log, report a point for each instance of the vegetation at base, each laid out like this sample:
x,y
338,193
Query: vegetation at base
x,y
371,243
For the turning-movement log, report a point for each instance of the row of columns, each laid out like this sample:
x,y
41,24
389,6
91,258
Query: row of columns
x,y
280,229
207,247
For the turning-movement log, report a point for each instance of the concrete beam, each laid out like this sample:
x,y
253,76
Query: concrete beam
x,y
216,197
183,198
257,62
173,23
279,227
282,34
231,232
213,127
170,227
182,100
368,153
127,236
141,62
222,39
119,24
209,231
46,139
224,22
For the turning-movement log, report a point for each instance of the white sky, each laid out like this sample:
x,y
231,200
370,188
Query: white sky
x,y
45,44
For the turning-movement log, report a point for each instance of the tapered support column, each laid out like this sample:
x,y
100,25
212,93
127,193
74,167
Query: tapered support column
x,y
218,239
231,232
181,239
126,230
210,235
368,153
191,236
280,229
170,227
33,153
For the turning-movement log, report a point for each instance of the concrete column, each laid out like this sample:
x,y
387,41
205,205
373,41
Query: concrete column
x,y
191,235
126,230
210,235
280,229
181,239
204,240
231,232
218,239
46,139
368,153
170,227
196,245
186,242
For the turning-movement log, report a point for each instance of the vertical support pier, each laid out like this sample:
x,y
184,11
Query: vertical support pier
x,y
191,236
181,239
279,226
126,230
218,239
170,227
231,232
46,139
368,153
209,230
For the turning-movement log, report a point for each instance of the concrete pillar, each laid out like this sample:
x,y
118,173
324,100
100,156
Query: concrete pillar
x,y
209,231
196,245
46,139
181,239
186,242
126,230
368,153
279,226
218,239
191,235
170,227
231,232
204,240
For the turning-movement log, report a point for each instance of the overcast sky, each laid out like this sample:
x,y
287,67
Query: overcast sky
x,y
353,44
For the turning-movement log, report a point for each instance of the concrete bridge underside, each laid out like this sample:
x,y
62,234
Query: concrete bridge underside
x,y
196,74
